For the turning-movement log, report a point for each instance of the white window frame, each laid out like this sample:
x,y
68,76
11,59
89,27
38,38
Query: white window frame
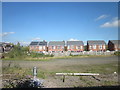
x,y
40,47
100,46
68,47
78,47
44,47
90,46
53,47
81,47
94,46
58,47
72,47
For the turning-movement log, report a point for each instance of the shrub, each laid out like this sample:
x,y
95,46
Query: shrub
x,y
34,55
17,52
117,53
49,55
70,54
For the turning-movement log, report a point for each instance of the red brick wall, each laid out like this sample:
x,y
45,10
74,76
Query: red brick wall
x,y
97,48
36,48
56,48
75,48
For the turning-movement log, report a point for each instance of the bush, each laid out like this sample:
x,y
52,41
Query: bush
x,y
49,55
35,55
117,53
17,52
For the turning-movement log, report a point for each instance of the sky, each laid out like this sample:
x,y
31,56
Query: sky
x,y
57,21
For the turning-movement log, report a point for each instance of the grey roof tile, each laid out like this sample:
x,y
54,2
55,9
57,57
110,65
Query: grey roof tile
x,y
75,43
56,43
115,41
42,43
34,43
96,42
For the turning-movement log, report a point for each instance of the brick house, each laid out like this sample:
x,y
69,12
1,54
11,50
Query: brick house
x,y
96,45
38,46
56,46
75,46
114,45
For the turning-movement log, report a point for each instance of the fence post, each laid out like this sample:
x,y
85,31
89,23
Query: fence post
x,y
34,72
63,78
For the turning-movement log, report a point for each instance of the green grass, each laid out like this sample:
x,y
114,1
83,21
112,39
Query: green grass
x,y
47,58
117,53
109,83
102,69
44,74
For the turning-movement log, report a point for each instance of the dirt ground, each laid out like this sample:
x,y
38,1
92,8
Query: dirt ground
x,y
79,65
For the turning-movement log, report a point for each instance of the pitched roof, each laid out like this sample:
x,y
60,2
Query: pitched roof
x,y
75,43
38,43
96,42
34,43
115,41
55,43
43,43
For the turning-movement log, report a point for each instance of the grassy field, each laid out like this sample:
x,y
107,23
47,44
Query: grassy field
x,y
49,58
105,66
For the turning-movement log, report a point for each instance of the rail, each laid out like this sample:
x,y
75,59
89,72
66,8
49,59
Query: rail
x,y
77,74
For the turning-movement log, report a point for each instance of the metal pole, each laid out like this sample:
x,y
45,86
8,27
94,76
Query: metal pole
x,y
63,78
34,72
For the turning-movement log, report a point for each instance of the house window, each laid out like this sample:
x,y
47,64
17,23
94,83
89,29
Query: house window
x,y
100,46
53,47
90,47
68,47
58,47
81,47
103,46
44,47
72,47
77,47
40,47
94,46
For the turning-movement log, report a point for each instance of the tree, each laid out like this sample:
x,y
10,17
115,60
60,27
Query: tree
x,y
85,48
16,51
65,48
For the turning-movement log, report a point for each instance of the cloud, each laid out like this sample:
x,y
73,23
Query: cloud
x,y
73,39
6,33
36,39
113,23
101,17
23,43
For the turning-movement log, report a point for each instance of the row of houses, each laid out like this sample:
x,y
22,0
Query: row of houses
x,y
74,46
